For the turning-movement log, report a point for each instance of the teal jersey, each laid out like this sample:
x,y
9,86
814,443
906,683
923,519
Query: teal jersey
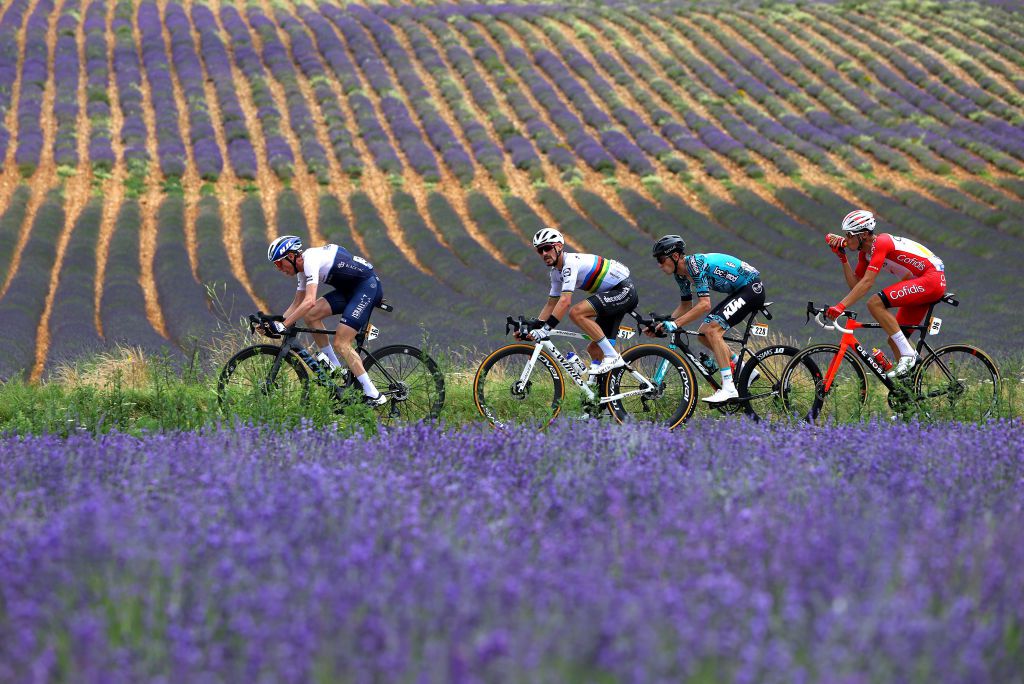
x,y
718,272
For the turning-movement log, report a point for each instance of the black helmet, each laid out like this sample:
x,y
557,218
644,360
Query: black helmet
x,y
669,244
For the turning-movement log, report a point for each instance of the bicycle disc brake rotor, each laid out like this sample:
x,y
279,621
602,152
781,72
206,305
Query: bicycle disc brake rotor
x,y
520,390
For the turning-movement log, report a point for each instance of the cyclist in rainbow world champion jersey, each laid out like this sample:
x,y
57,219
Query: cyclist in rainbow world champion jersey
x,y
922,280
599,315
705,272
357,290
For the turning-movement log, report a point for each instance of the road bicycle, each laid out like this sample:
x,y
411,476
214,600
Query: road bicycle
x,y
526,381
758,373
283,374
828,382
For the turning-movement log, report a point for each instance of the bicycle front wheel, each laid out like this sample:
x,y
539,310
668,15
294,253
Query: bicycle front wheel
x,y
410,379
253,383
760,381
813,391
659,385
505,394
957,382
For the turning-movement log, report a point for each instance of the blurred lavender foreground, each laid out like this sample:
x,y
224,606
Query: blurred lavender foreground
x,y
852,554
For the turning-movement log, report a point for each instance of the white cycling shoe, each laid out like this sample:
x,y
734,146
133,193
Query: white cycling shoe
x,y
609,363
722,395
903,366
378,400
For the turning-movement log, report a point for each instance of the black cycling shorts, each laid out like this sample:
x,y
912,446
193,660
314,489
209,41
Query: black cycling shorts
x,y
613,305
356,303
737,306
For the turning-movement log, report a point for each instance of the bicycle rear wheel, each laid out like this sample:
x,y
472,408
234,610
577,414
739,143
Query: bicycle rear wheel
x,y
760,381
410,379
505,398
249,385
957,382
804,392
668,400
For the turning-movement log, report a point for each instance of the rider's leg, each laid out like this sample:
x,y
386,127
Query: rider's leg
x,y
714,339
897,340
354,317
315,319
585,318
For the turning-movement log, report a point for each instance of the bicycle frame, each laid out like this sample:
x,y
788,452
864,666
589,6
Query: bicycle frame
x,y
577,377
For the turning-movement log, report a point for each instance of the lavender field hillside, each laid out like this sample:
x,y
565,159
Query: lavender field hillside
x,y
434,138
849,554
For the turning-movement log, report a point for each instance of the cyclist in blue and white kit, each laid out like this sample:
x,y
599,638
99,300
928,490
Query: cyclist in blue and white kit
x,y
706,272
357,290
613,296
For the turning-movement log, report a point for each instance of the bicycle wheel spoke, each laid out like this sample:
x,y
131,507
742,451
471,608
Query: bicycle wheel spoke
x,y
957,383
410,380
762,382
808,395
664,390
504,398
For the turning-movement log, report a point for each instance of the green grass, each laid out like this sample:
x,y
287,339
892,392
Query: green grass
x,y
126,391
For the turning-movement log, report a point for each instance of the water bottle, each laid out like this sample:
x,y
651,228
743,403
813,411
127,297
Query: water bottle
x,y
576,363
880,359
709,362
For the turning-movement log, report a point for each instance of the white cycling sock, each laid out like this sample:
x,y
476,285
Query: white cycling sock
x,y
368,387
331,356
903,344
606,347
726,378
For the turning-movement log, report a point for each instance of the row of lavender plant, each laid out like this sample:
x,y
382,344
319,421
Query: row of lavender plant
x,y
34,74
218,70
418,154
97,93
280,157
128,76
710,140
334,53
586,147
22,306
727,552
442,138
65,84
636,156
229,300
72,325
170,148
486,153
276,58
515,143
206,152
10,27
304,53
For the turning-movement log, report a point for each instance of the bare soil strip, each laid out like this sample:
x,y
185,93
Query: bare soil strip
x,y
77,190
113,187
229,197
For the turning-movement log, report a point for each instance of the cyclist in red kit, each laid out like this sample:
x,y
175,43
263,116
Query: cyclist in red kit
x,y
922,280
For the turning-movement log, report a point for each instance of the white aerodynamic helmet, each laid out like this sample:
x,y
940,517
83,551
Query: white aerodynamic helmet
x,y
859,221
546,236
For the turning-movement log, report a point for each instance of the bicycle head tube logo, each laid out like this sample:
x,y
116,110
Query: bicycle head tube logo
x,y
906,290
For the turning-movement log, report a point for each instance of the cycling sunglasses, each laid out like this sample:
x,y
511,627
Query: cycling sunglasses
x,y
543,249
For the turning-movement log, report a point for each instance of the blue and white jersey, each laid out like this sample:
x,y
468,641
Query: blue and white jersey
x,y
334,266
718,272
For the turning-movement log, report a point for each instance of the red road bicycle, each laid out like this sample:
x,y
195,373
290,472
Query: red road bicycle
x,y
828,382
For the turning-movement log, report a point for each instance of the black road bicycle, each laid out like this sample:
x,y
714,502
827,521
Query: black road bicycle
x,y
407,376
827,381
758,372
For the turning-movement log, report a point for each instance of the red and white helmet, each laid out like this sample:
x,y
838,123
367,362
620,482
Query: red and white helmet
x,y
546,236
859,221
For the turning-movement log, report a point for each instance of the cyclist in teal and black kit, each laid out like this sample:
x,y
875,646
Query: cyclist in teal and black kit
x,y
706,272
357,290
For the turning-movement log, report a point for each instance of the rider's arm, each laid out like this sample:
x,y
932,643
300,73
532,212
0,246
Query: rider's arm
x,y
687,312
301,305
556,306
851,277
860,288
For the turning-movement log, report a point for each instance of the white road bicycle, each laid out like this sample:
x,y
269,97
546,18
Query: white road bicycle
x,y
525,382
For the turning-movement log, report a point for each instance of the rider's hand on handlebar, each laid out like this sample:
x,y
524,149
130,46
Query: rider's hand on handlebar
x,y
540,334
834,312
